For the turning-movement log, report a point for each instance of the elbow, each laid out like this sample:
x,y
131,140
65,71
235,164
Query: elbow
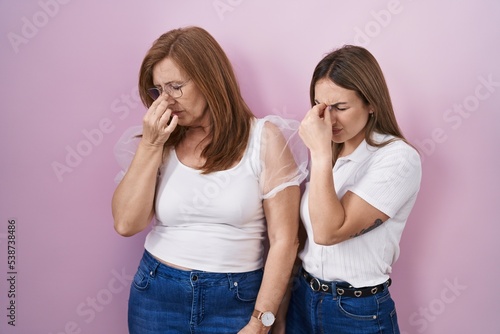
x,y
127,224
323,239
288,248
329,234
123,229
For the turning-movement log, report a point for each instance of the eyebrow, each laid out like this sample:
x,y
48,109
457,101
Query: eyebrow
x,y
332,105
169,83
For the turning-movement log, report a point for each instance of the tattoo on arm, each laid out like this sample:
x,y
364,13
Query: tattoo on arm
x,y
376,224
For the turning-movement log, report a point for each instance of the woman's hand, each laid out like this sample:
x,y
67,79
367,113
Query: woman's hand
x,y
254,327
316,129
156,126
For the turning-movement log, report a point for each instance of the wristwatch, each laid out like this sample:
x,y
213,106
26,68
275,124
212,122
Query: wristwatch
x,y
267,318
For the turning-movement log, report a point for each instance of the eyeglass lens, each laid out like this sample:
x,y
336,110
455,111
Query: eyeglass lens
x,y
154,93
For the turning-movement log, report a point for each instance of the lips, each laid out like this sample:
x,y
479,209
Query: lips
x,y
176,112
336,131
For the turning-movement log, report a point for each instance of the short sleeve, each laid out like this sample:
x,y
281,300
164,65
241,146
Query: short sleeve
x,y
283,155
125,149
391,179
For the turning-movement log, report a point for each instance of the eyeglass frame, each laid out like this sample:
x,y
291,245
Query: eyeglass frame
x,y
169,90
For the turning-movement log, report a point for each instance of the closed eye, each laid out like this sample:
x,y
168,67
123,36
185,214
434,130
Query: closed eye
x,y
176,87
337,106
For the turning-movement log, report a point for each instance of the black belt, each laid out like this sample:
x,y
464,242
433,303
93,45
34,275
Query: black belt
x,y
344,290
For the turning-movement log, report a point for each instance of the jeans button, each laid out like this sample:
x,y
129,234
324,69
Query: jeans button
x,y
194,278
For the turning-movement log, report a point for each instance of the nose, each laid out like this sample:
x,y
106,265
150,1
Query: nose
x,y
167,96
333,114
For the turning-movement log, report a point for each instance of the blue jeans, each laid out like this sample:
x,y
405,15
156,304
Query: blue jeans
x,y
167,300
313,312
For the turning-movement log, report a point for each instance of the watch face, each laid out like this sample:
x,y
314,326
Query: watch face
x,y
267,318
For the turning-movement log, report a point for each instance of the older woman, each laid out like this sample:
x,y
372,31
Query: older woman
x,y
218,181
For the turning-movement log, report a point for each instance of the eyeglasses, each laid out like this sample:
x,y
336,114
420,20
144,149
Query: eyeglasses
x,y
173,90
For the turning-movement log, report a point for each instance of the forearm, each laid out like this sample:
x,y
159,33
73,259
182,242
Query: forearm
x,y
280,324
325,209
277,273
133,200
282,215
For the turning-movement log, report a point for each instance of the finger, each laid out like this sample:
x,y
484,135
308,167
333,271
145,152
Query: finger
x,y
161,108
319,109
164,118
173,124
156,111
154,105
311,113
327,116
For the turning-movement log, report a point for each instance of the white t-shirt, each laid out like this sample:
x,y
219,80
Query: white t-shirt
x,y
215,222
388,178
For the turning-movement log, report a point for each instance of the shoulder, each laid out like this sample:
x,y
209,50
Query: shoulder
x,y
393,167
397,154
394,147
274,125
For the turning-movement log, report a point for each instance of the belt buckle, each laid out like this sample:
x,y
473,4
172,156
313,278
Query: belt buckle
x,y
311,284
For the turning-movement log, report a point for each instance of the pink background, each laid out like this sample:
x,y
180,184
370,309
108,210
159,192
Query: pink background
x,y
68,84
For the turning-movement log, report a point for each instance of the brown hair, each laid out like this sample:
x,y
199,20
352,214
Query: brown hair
x,y
199,55
355,68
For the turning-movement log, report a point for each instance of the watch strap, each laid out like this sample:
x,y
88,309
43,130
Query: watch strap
x,y
257,314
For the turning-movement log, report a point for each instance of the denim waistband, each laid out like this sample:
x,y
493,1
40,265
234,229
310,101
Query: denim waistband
x,y
154,267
